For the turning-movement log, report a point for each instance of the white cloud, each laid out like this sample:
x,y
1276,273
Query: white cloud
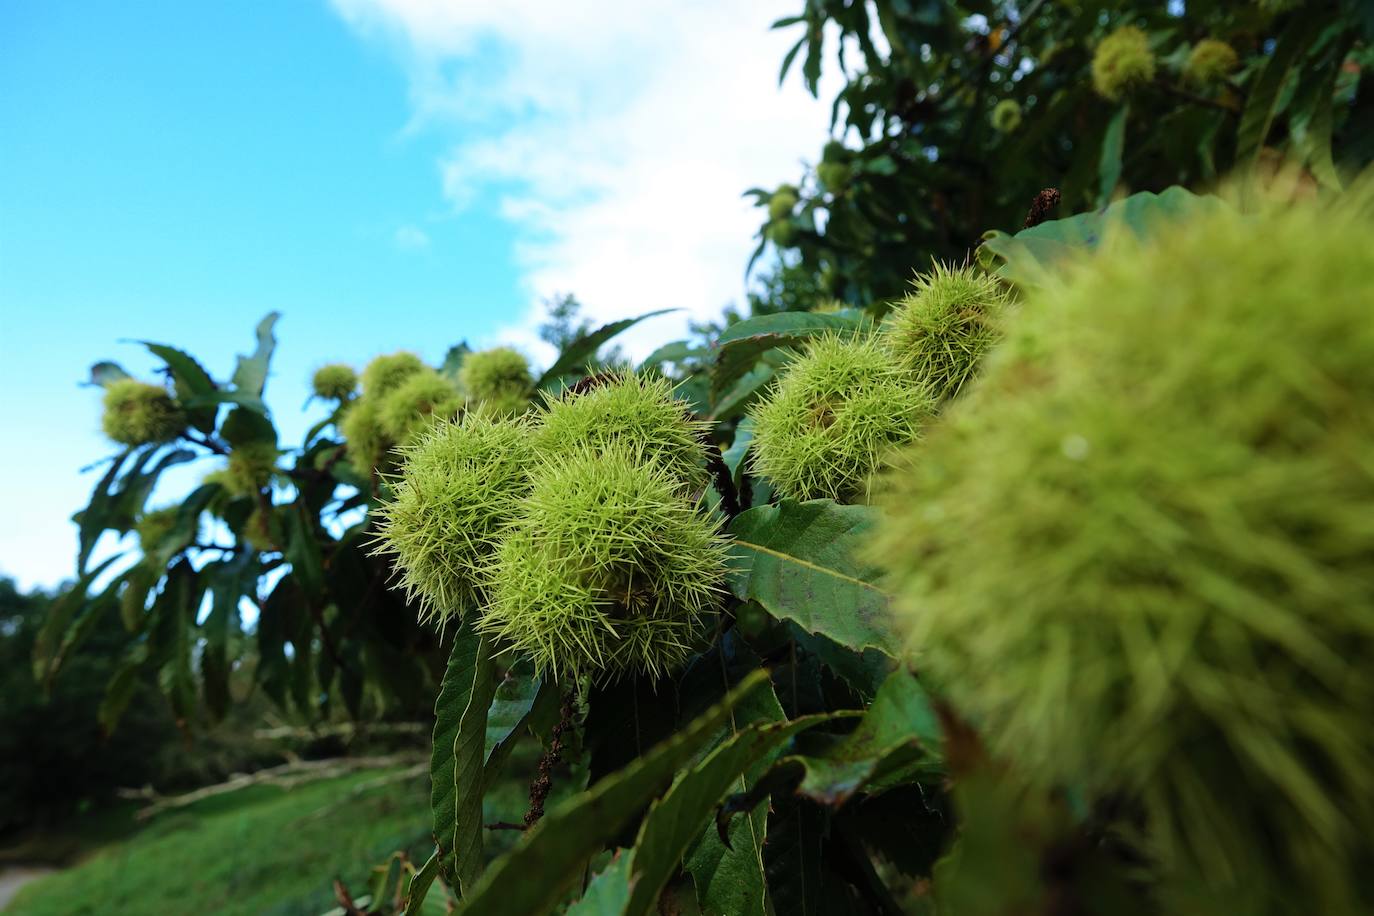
x,y
621,135
411,238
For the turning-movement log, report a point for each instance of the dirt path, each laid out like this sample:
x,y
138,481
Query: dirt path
x,y
13,877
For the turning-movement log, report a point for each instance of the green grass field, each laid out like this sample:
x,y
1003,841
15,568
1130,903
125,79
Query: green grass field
x,y
262,850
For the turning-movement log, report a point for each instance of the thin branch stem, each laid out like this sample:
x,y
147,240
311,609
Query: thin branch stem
x,y
205,442
1181,93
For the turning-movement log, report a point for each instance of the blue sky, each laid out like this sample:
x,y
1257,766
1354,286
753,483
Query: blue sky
x,y
386,173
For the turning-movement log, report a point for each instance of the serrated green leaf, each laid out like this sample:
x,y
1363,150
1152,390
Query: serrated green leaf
x,y
276,621
127,500
1311,125
741,344
739,448
1266,93
191,380
609,892
899,727
246,399
229,580
1029,257
120,689
674,352
303,550
520,698
138,583
95,518
50,636
105,372
730,880
171,645
1113,145
92,613
797,560
533,877
580,352
747,390
787,59
186,525
313,432
458,756
244,426
183,367
811,66
420,884
880,165
250,375
469,751
680,816
864,671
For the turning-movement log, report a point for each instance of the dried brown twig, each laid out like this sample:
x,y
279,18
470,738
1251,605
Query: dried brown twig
x,y
543,780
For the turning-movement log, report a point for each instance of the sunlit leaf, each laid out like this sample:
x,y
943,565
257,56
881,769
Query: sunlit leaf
x,y
250,376
797,559
577,355
459,754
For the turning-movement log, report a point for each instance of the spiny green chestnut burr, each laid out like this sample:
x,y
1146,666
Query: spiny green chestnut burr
x,y
261,530
782,233
154,526
826,425
368,446
137,413
250,468
423,399
944,326
1210,61
334,382
608,570
782,203
633,407
834,176
499,378
385,373
1006,116
1139,554
1122,62
458,488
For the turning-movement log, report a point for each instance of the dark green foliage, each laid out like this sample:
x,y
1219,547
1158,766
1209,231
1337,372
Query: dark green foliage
x,y
498,379
675,687
930,157
798,561
263,851
53,755
1137,553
